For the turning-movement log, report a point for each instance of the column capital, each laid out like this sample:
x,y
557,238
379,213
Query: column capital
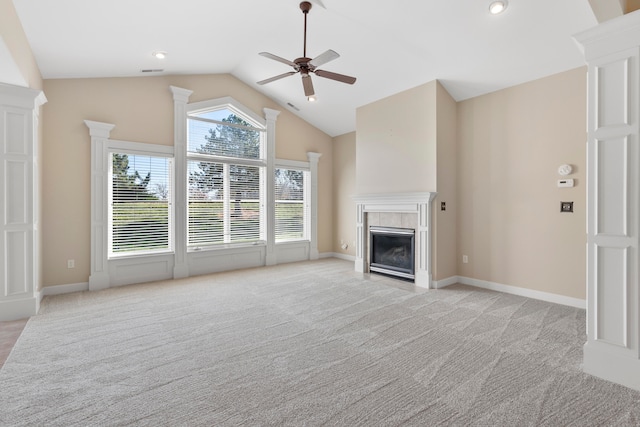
x,y
98,129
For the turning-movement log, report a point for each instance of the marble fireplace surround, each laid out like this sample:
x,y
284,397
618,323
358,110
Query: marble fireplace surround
x,y
389,210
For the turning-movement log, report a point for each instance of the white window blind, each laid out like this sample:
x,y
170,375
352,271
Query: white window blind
x,y
292,208
140,211
224,203
224,170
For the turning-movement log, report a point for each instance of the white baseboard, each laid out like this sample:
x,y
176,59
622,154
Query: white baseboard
x,y
64,289
21,308
338,255
523,292
439,284
84,286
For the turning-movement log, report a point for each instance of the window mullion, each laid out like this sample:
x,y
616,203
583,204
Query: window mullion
x,y
222,159
226,203
307,205
110,204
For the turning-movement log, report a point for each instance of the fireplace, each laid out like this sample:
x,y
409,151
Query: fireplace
x,y
391,251
401,210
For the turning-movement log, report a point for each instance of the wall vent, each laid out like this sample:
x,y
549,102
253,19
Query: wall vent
x,y
152,70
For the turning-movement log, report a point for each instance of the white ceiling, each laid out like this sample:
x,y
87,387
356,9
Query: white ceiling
x,y
390,46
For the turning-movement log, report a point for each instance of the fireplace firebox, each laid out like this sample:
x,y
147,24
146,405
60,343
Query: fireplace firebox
x,y
392,251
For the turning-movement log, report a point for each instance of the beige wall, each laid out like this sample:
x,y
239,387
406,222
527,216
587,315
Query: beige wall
x,y
13,35
142,110
344,188
510,144
444,222
396,143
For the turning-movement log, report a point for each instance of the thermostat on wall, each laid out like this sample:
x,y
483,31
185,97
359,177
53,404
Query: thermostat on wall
x,y
565,183
565,170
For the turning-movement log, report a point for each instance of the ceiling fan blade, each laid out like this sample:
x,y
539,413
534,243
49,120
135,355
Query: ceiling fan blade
x,y
323,58
308,85
335,76
277,58
278,77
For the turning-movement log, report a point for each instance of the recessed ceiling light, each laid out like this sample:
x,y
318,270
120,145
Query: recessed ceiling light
x,y
159,54
312,98
498,6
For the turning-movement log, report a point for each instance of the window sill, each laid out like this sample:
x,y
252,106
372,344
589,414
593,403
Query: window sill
x,y
226,246
292,242
139,255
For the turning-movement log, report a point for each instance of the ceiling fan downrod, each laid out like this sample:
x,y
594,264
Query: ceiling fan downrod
x,y
305,6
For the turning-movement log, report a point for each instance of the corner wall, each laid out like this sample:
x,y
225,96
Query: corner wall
x,y
344,188
13,37
510,144
445,221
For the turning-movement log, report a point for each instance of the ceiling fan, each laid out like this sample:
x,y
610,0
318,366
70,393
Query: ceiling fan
x,y
305,65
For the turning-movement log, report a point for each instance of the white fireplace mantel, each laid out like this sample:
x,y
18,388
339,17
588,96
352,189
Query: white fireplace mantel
x,y
418,203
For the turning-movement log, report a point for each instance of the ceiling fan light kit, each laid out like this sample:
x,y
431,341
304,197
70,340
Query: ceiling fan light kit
x,y
498,6
305,66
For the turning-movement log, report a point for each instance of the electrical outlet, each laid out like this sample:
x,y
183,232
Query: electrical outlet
x,y
71,263
443,206
465,259
566,206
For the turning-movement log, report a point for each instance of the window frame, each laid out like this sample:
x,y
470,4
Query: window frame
x,y
256,123
306,169
139,149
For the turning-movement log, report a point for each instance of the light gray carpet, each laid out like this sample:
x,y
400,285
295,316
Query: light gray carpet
x,y
304,344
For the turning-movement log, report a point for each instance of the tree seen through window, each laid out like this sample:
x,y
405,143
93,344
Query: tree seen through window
x,y
140,211
225,191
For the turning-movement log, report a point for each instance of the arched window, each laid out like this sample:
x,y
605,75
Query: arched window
x,y
217,200
226,169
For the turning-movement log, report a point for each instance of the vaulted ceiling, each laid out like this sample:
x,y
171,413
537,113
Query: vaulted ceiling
x,y
389,46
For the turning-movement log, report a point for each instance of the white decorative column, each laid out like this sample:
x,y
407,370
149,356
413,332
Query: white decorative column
x,y
424,235
270,155
612,51
313,199
418,203
99,275
361,236
180,100
19,267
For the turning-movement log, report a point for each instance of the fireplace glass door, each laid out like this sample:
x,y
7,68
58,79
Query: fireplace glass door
x,y
391,251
